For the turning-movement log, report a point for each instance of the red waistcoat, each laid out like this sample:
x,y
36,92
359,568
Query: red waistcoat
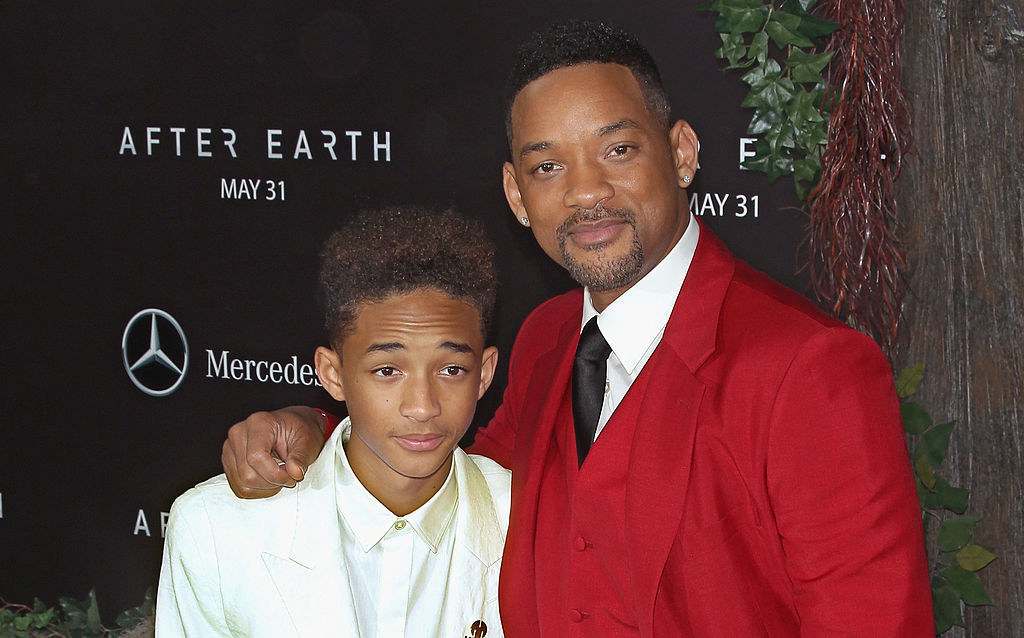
x,y
581,511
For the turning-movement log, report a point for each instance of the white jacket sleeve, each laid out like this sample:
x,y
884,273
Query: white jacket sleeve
x,y
189,598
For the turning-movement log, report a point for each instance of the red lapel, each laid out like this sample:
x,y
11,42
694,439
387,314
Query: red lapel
x,y
659,465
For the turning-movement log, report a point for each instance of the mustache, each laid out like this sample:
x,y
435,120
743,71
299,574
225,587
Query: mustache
x,y
595,214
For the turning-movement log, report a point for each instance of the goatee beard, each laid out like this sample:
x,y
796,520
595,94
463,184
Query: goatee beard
x,y
603,274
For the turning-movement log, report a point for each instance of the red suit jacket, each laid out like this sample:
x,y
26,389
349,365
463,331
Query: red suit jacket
x,y
769,490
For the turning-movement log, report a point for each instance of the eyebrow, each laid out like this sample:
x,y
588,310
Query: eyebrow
x,y
617,126
622,124
457,347
536,147
386,347
392,346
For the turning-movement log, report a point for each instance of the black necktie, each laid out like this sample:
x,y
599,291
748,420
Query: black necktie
x,y
588,379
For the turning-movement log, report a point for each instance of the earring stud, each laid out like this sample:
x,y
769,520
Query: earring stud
x,y
686,179
524,221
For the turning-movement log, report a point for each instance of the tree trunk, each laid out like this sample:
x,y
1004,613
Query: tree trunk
x,y
961,203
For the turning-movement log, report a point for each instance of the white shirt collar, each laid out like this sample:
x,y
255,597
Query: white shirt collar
x,y
639,316
370,521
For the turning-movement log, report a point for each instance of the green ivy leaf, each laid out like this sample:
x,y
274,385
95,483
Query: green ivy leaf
x,y
974,557
778,166
967,585
764,120
955,532
947,606
811,138
802,109
781,138
92,614
759,76
773,165
915,419
944,496
757,161
807,67
759,47
74,613
935,443
45,618
773,92
130,618
925,472
733,49
740,16
806,169
946,558
21,623
811,142
810,26
808,124
784,36
909,380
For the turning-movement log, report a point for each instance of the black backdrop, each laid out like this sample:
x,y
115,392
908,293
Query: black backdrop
x,y
98,227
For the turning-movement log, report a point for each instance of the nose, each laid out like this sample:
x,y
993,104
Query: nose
x,y
587,185
419,400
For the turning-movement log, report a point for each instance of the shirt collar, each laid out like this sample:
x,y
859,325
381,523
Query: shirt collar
x,y
632,322
370,521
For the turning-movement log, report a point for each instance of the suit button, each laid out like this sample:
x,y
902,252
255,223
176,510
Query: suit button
x,y
580,544
400,525
576,615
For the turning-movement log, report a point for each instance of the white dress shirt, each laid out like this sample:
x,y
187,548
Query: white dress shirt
x,y
634,324
396,565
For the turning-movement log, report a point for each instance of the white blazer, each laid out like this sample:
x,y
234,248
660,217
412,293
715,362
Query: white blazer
x,y
274,567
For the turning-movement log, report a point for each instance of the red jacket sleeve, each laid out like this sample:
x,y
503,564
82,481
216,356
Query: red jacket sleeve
x,y
332,422
498,439
843,494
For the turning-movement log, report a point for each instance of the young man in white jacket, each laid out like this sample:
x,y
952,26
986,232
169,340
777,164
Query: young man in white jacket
x,y
395,531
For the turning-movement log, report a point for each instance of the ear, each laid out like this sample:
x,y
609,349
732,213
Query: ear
x,y
487,366
512,194
685,146
328,369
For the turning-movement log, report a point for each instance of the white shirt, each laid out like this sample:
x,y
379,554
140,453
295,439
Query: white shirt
x,y
397,566
634,324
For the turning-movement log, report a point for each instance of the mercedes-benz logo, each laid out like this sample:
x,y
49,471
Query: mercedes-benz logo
x,y
156,366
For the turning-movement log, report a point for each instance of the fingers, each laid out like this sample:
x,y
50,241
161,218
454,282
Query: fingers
x,y
295,468
246,456
238,486
262,469
252,453
243,491
300,440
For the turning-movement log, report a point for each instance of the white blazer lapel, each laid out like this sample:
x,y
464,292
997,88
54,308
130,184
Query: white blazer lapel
x,y
311,579
473,577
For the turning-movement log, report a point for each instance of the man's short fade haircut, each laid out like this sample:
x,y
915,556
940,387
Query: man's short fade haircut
x,y
583,42
398,250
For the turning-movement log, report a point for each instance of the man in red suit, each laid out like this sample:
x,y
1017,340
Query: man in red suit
x,y
713,456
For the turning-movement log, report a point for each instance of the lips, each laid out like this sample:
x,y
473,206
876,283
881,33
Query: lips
x,y
592,234
420,442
